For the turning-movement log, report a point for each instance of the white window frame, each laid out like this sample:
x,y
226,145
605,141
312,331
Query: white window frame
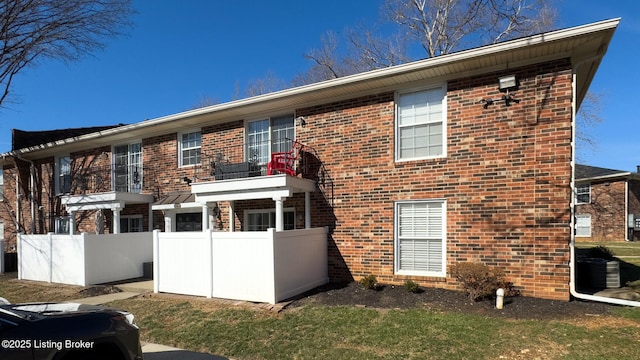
x,y
1,185
429,235
60,175
182,147
583,190
62,224
583,225
133,159
270,212
128,218
442,89
270,144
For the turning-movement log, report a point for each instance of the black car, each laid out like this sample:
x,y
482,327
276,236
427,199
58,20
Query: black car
x,y
67,331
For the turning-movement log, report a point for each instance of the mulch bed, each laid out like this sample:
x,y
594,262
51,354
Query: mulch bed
x,y
397,297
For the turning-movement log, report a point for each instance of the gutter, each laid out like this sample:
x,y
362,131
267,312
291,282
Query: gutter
x,y
572,261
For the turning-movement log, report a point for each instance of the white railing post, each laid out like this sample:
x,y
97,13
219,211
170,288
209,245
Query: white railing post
x,y
156,261
50,238
209,248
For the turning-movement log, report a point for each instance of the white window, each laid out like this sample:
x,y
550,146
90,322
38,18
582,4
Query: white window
x,y
62,224
420,124
583,225
1,185
420,237
261,220
269,135
127,168
583,194
190,147
63,174
131,223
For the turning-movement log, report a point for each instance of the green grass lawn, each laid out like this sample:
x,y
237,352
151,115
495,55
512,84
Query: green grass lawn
x,y
322,332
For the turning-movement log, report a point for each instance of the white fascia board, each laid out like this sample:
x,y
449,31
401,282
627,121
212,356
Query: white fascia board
x,y
249,195
188,205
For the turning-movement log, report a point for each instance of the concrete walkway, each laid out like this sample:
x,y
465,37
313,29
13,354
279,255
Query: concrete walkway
x,y
151,351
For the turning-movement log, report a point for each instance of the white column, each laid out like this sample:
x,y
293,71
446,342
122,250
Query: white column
x,y
72,222
116,221
168,215
231,216
205,218
307,210
279,214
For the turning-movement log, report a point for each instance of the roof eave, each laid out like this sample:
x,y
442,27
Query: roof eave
x,y
333,90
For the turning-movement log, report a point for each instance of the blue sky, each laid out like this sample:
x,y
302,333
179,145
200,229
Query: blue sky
x,y
183,51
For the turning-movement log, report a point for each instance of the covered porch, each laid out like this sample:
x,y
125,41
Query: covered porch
x,y
275,187
115,201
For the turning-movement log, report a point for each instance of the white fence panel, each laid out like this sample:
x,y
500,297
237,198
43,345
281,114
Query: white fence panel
x,y
243,266
51,258
116,257
301,262
253,266
182,263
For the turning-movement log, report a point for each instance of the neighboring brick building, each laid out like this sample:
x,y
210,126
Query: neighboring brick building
x,y
417,166
607,204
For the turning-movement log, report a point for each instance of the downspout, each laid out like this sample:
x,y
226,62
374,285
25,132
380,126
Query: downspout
x,y
572,261
626,210
32,170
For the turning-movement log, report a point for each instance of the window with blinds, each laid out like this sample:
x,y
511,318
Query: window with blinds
x,y
420,238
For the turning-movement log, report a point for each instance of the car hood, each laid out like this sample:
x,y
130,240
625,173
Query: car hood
x,y
52,309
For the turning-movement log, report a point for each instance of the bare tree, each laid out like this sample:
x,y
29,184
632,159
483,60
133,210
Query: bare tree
x,y
444,26
587,118
267,84
438,26
32,30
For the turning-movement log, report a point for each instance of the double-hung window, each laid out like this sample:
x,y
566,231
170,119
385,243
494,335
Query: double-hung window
x,y
583,225
269,135
190,145
420,124
583,194
132,223
127,168
63,174
261,220
420,237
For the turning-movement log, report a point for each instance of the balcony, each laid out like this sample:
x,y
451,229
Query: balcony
x,y
116,178
251,160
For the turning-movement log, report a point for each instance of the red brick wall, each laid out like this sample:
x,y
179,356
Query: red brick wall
x,y
506,180
608,212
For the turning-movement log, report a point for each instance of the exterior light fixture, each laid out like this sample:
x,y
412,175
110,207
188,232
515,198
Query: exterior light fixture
x,y
505,84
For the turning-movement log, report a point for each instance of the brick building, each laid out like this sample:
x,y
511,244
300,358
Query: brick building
x,y
415,167
607,204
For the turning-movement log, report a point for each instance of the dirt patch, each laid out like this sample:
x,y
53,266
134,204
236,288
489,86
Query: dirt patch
x,y
99,290
397,297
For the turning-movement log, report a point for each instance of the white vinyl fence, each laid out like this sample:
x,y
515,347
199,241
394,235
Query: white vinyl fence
x,y
85,259
264,267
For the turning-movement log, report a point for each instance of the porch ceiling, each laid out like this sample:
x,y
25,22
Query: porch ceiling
x,y
109,200
262,187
